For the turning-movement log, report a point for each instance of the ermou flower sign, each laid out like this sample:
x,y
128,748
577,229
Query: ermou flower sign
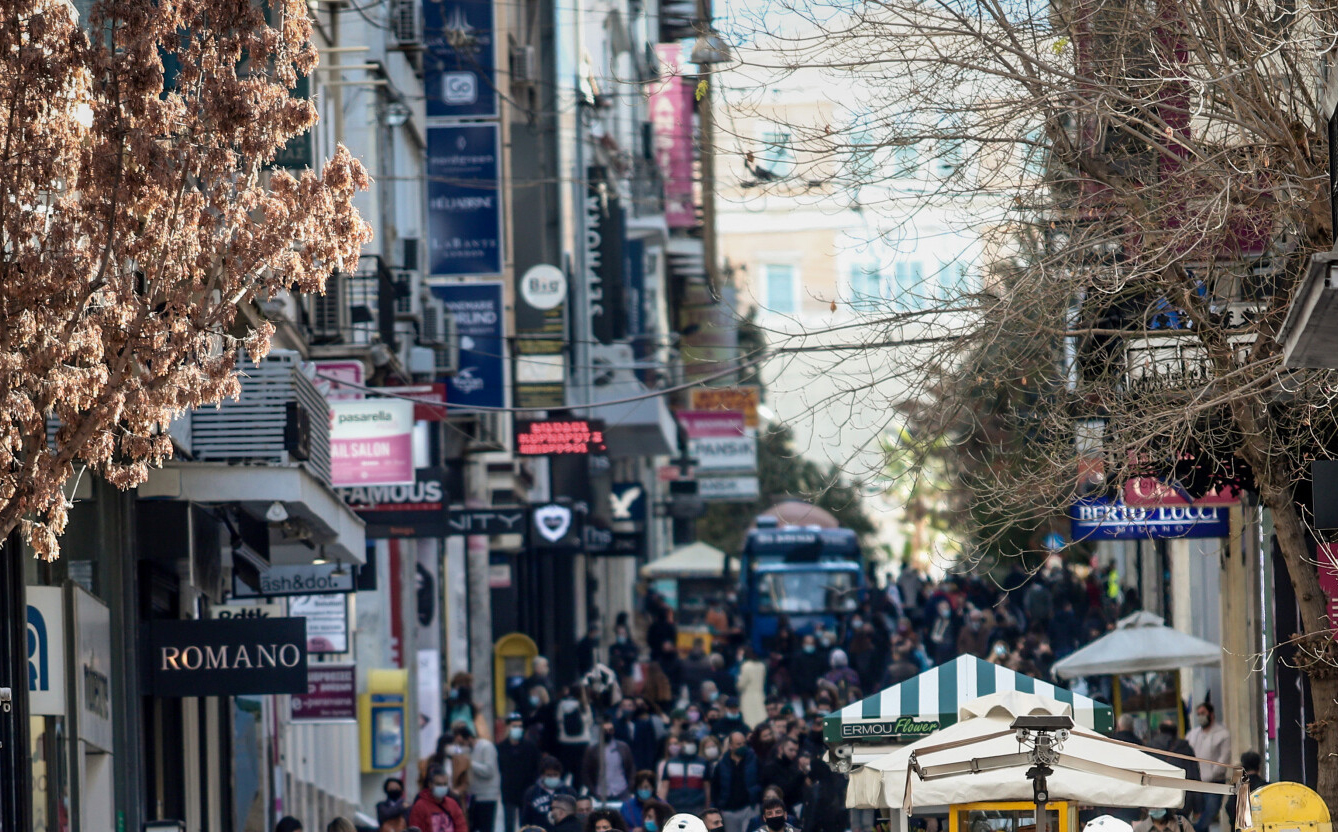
x,y
226,656
371,442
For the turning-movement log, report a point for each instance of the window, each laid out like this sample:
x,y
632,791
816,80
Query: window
x,y
866,284
775,159
806,592
780,288
909,278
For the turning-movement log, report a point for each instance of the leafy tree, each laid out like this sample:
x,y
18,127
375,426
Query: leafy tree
x,y
137,218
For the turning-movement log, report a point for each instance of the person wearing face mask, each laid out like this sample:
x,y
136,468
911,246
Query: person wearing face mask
x,y
943,633
391,813
608,766
435,810
775,817
806,667
643,791
460,702
731,720
782,771
562,815
518,762
695,728
735,784
709,750
1211,741
1163,820
623,653
485,782
656,817
683,776
538,798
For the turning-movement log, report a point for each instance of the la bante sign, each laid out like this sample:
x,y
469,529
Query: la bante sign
x,y
226,657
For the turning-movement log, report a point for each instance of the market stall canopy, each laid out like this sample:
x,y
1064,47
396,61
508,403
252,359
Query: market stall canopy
x,y
933,699
1140,643
696,560
882,783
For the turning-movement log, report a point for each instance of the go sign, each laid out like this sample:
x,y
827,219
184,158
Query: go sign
x,y
544,287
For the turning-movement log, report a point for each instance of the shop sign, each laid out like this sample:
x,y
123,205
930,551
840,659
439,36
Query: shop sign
x,y
556,526
901,727
429,400
371,442
1328,579
486,521
605,233
671,119
304,579
726,489
707,423
1104,519
724,454
459,64
627,502
553,437
329,374
327,621
499,576
92,669
46,650
464,200
743,399
251,608
479,316
417,510
226,657
332,695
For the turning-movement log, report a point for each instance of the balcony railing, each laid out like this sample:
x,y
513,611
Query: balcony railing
x,y
357,307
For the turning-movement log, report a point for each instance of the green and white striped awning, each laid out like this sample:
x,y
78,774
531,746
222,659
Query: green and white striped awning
x,y
932,700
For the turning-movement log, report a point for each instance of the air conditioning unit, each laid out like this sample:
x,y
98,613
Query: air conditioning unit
x,y
404,20
433,331
403,282
524,64
328,314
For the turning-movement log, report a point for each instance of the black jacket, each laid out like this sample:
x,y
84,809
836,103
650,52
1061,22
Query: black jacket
x,y
785,775
518,763
569,824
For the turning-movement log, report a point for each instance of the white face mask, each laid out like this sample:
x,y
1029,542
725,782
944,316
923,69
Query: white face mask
x,y
711,752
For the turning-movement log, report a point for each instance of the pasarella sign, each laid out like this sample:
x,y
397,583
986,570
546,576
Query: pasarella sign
x,y
554,437
1101,518
226,657
371,442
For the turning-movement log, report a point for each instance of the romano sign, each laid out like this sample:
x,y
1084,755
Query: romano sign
x,y
226,657
418,510
901,727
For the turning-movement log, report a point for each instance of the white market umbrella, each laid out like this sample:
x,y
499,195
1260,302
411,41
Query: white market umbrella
x,y
1140,643
1116,781
696,560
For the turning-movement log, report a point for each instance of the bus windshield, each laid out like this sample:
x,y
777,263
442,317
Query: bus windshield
x,y
815,591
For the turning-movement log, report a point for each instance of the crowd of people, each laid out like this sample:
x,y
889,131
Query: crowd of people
x,y
734,735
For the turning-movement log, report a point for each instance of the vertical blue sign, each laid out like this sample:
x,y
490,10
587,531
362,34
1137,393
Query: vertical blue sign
x,y
464,202
460,61
477,309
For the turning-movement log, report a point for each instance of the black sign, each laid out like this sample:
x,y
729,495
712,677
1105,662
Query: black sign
x,y
556,437
226,657
607,543
605,228
417,510
556,526
486,521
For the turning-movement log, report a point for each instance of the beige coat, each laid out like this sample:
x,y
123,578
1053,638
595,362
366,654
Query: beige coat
x,y
753,692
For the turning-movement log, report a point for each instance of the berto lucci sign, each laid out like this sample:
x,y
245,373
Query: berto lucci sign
x,y
1101,518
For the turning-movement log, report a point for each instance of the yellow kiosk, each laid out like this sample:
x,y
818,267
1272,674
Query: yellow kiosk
x,y
512,656
1288,807
1011,816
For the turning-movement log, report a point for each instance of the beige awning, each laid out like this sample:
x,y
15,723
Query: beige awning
x,y
696,560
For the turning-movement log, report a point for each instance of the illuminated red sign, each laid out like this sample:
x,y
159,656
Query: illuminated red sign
x,y
559,436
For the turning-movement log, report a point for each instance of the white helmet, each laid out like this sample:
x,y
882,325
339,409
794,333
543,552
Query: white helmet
x,y
684,822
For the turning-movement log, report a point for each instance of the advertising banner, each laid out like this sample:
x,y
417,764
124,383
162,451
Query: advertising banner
x,y
724,454
550,437
226,657
46,650
327,621
332,695
1100,518
707,423
464,203
460,63
92,668
744,399
728,489
464,522
479,316
371,442
671,120
329,374
417,510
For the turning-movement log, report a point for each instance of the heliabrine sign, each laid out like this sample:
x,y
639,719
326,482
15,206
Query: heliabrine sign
x,y
904,726
418,510
1101,518
553,437
226,657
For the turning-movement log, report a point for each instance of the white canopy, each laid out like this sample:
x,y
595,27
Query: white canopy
x,y
882,783
1140,643
696,560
